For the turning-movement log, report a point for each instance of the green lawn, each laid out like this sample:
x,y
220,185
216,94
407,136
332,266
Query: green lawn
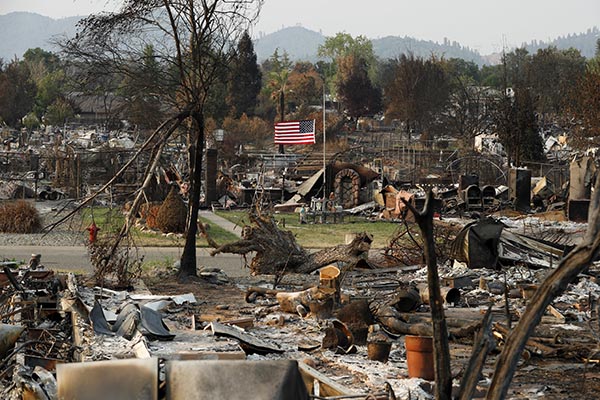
x,y
110,221
324,235
308,235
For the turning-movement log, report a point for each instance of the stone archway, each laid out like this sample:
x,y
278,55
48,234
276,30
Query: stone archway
x,y
347,188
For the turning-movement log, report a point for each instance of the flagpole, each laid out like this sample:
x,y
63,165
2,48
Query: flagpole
x,y
324,162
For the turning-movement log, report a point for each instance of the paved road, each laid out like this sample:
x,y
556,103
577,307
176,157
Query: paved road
x,y
75,258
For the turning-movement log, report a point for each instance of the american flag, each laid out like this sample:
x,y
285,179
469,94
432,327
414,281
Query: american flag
x,y
295,132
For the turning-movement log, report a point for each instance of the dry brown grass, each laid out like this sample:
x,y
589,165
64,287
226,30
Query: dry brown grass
x,y
149,213
19,217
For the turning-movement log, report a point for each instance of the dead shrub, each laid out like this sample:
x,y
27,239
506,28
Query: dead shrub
x,y
19,217
407,243
118,266
172,213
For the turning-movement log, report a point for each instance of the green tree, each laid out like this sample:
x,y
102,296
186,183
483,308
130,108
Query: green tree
x,y
516,68
553,75
140,86
17,92
418,93
58,112
245,79
386,72
530,145
343,44
216,102
358,95
40,63
276,62
50,88
468,111
31,121
340,46
492,76
516,124
277,84
583,110
466,71
594,63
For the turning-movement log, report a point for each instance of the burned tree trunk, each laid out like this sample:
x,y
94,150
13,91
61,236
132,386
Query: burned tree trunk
x,y
196,147
278,252
441,349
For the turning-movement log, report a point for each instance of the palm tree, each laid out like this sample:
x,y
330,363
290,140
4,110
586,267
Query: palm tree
x,y
277,83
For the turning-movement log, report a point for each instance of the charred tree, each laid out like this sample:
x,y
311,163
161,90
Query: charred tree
x,y
196,38
196,148
441,349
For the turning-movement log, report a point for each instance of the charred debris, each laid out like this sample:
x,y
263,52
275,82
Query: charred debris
x,y
482,284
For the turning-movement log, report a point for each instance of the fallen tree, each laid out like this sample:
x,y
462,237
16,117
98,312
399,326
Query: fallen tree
x,y
277,251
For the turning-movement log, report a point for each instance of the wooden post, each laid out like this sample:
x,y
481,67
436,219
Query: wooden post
x,y
441,349
484,343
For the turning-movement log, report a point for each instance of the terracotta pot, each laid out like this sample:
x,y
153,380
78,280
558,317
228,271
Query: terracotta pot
x,y
378,351
419,357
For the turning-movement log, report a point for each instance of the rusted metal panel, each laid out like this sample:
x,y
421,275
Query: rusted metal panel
x,y
132,379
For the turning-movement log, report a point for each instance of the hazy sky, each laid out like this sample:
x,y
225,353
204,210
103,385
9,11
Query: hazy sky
x,y
479,24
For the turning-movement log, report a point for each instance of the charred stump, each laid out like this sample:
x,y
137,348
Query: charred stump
x,y
278,252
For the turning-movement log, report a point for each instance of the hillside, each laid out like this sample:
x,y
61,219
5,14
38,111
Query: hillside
x,y
584,42
20,31
302,44
393,46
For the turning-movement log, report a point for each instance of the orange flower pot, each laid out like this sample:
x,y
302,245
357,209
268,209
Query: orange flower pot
x,y
419,357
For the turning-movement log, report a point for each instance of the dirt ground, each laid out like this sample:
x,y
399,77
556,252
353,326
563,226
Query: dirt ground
x,y
557,379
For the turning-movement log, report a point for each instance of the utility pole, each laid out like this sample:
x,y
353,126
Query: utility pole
x,y
324,141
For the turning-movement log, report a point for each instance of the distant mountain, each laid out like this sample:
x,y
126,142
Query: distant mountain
x,y
393,46
302,44
299,43
584,42
20,31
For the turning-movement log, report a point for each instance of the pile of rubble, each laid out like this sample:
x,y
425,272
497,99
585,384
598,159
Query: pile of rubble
x,y
340,333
